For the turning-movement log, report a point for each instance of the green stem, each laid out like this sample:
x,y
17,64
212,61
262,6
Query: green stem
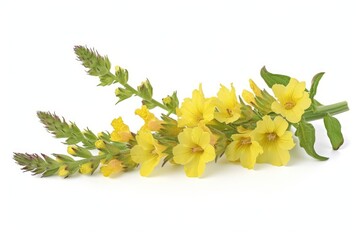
x,y
136,92
320,111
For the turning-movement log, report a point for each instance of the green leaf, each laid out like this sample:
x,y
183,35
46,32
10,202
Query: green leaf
x,y
306,134
314,84
271,78
333,128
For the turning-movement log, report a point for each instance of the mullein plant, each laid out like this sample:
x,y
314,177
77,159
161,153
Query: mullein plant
x,y
253,128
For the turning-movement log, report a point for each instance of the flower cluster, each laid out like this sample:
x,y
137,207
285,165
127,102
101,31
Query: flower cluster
x,y
251,129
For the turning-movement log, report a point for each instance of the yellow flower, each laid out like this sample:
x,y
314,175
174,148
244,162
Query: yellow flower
x,y
194,151
227,105
121,131
148,152
196,109
86,168
100,145
255,88
63,171
248,97
72,150
114,166
243,148
274,139
292,100
151,122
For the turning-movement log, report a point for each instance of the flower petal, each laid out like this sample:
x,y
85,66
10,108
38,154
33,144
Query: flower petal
x,y
281,125
148,166
194,168
286,141
232,151
279,90
304,102
200,137
298,90
182,154
138,154
185,136
274,155
209,154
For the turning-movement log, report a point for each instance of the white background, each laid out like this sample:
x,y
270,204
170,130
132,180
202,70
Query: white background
x,y
177,45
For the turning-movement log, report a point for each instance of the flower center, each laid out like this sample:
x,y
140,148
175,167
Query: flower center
x,y
272,136
197,149
229,111
245,140
289,105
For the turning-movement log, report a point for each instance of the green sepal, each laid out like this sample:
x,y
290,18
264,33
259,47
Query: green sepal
x,y
333,129
122,75
148,104
306,134
171,102
271,78
314,84
61,129
63,158
106,79
145,90
95,165
122,94
50,172
96,64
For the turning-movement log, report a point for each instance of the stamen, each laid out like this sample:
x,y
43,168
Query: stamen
x,y
245,140
197,149
229,111
272,136
289,105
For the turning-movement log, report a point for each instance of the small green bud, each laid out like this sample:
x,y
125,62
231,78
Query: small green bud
x,y
148,104
146,90
106,80
122,75
122,94
63,158
79,151
171,102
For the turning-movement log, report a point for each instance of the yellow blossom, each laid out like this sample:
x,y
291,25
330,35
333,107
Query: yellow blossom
x,y
151,122
121,131
72,150
248,97
227,105
63,171
86,168
148,152
167,100
243,148
213,137
196,109
275,140
194,151
100,144
255,88
114,166
292,100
